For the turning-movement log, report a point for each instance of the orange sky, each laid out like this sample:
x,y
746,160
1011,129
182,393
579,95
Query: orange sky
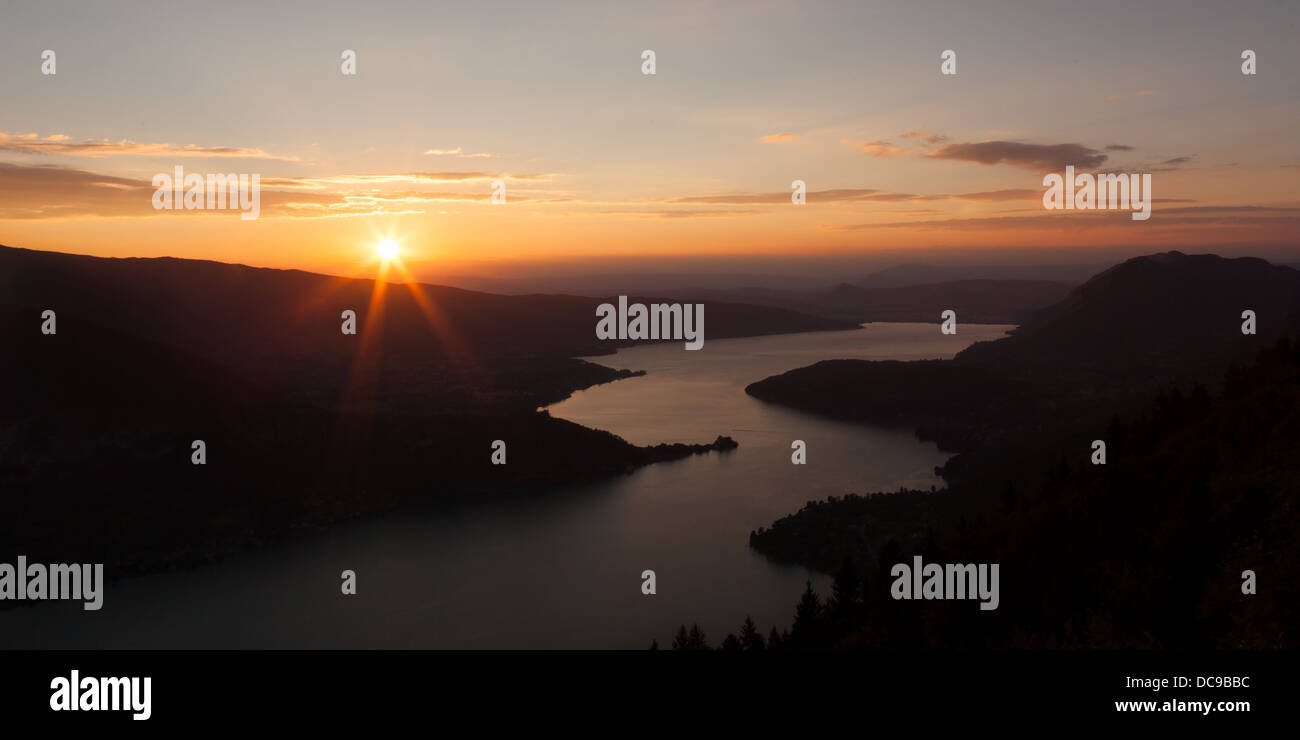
x,y
599,159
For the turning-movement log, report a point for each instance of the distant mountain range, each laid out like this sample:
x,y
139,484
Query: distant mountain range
x,y
921,274
281,328
976,301
982,294
801,274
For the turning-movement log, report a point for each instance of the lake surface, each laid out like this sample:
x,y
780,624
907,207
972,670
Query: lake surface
x,y
562,570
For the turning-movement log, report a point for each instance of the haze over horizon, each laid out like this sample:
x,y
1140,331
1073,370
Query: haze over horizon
x,y
688,170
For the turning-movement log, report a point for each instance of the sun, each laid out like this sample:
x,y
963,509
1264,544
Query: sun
x,y
387,249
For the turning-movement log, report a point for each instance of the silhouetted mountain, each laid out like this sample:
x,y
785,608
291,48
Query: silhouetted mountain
x,y
1185,309
302,424
903,275
416,345
1149,323
1148,550
975,301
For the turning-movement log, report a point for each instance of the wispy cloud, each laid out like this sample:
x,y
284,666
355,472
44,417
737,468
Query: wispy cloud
x,y
856,195
929,137
847,195
1188,216
53,192
401,178
777,138
60,144
998,196
1040,157
676,213
879,148
457,152
47,191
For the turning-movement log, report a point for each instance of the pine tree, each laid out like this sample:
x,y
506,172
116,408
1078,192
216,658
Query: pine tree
x,y
806,630
697,640
750,637
731,643
682,641
774,640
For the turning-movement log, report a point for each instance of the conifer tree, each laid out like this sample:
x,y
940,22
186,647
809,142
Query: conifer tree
x,y
774,640
750,637
806,630
682,641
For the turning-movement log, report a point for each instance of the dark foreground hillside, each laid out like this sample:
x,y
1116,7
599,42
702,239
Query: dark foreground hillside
x,y
1147,550
95,453
1202,434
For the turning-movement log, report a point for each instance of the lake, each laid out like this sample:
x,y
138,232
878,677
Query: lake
x,y
561,569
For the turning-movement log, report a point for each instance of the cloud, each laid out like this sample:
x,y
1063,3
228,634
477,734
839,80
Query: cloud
x,y
60,144
684,213
1190,216
998,196
777,138
926,136
1118,148
52,192
457,152
47,191
409,178
857,195
845,195
878,148
1040,157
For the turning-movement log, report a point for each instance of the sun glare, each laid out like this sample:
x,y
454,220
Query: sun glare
x,y
386,249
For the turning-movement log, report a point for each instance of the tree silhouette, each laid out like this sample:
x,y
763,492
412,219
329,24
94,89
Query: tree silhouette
x,y
682,641
750,637
806,632
696,639
774,640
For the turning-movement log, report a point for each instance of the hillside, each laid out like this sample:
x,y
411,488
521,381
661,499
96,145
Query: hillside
x,y
1155,322
303,425
1147,551
434,347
